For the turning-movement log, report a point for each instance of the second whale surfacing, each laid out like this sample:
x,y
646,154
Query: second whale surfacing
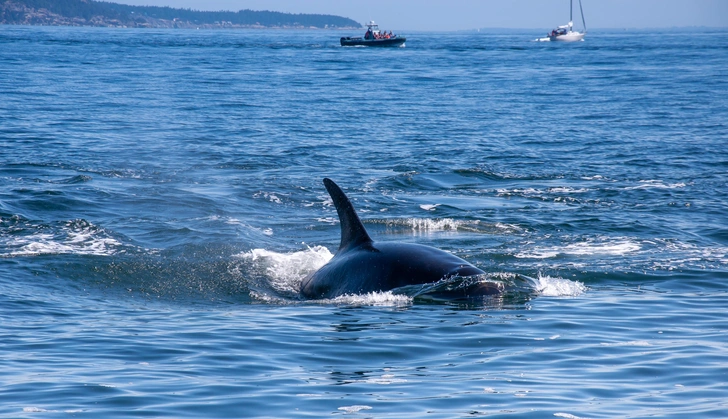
x,y
361,266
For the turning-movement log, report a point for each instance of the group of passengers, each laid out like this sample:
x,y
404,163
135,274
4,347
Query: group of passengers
x,y
378,35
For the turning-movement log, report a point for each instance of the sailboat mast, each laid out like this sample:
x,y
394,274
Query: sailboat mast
x,y
571,10
583,22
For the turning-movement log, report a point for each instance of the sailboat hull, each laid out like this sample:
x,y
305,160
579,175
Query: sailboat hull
x,y
568,37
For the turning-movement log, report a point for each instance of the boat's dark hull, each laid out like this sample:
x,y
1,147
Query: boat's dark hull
x,y
391,42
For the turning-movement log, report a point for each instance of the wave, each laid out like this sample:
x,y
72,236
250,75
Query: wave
x,y
628,253
269,196
605,246
445,224
416,224
491,174
79,237
74,180
656,184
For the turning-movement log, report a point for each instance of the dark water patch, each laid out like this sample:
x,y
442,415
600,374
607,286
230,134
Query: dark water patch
x,y
199,277
74,180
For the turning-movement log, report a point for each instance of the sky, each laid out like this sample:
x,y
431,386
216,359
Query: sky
x,y
453,15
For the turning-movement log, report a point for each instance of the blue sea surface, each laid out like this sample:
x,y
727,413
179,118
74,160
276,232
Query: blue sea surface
x,y
161,201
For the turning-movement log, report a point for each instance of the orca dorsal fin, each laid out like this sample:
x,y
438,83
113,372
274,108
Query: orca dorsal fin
x,y
353,232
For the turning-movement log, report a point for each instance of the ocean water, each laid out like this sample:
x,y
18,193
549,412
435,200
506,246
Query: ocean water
x,y
161,200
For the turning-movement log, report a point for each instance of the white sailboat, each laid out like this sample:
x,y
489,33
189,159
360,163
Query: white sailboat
x,y
566,33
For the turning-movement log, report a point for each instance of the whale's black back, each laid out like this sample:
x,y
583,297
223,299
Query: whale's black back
x,y
361,266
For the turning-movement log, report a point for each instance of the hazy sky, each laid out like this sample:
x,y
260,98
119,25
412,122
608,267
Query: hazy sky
x,y
446,15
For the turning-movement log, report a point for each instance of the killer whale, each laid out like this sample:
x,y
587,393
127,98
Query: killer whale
x,y
362,266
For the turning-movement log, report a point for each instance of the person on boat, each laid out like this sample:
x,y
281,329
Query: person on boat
x,y
369,34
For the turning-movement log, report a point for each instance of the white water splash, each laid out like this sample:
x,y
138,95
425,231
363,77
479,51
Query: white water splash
x,y
428,224
559,287
353,409
36,410
567,189
39,410
386,298
385,379
619,247
285,271
328,220
595,177
567,416
442,224
508,228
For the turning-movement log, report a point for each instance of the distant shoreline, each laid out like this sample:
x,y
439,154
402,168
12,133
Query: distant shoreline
x,y
270,28
80,13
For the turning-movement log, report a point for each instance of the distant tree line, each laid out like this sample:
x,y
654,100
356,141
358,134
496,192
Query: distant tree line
x,y
70,8
87,9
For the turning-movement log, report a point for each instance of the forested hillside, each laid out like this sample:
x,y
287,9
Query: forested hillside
x,y
99,13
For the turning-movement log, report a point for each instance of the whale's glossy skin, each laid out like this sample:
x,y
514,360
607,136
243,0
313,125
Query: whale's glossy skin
x,y
361,266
